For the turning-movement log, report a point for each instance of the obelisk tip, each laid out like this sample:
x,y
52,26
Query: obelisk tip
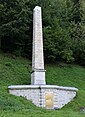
x,y
37,8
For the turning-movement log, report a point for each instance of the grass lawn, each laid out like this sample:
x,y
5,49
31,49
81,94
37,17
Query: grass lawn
x,y
16,70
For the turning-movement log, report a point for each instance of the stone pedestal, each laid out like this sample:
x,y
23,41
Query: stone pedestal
x,y
45,96
38,77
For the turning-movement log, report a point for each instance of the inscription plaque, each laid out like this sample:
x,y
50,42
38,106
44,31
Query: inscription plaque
x,y
49,100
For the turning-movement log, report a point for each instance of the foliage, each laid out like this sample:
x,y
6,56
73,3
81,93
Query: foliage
x,y
15,26
63,28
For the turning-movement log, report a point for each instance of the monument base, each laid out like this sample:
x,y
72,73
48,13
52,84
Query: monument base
x,y
45,96
38,77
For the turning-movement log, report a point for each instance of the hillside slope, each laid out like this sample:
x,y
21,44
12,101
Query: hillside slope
x,y
15,71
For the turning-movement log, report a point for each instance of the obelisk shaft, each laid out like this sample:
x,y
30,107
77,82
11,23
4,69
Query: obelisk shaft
x,y
38,72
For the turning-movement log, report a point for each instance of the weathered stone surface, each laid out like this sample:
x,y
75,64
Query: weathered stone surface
x,y
46,96
38,72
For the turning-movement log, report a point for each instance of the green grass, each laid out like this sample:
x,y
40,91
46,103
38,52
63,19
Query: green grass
x,y
16,70
67,75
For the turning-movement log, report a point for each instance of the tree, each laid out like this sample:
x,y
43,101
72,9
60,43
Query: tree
x,y
57,41
15,21
63,28
77,30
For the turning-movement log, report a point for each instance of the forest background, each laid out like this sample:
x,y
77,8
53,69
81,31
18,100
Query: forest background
x,y
63,29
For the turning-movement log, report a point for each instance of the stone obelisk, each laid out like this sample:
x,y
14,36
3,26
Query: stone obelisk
x,y
45,96
38,72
